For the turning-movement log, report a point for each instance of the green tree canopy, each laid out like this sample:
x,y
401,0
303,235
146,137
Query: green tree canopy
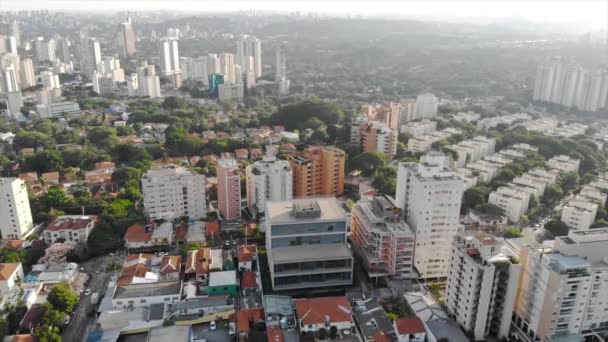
x,y
553,193
489,208
295,116
32,139
385,180
103,137
62,298
368,162
512,232
557,227
568,181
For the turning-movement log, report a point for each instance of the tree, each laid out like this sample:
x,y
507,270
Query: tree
x,y
489,208
62,298
385,180
52,316
44,161
294,116
48,333
474,196
126,176
368,162
533,202
512,232
46,126
103,137
553,193
557,227
119,209
32,139
55,198
173,102
568,181
124,131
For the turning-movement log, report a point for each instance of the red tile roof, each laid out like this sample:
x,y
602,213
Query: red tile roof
x,y
70,223
212,228
242,318
132,270
24,338
198,261
104,165
314,310
246,253
29,176
137,233
274,333
181,232
13,244
171,264
380,336
409,325
8,269
50,175
248,280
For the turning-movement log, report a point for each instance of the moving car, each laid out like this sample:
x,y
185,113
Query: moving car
x,y
212,326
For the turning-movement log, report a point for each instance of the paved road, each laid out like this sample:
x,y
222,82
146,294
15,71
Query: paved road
x,y
77,328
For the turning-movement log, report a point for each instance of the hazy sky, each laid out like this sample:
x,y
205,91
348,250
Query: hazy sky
x,y
582,12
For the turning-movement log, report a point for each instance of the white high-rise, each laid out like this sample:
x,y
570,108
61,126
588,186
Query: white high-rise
x,y
10,80
27,73
173,192
227,67
482,285
213,64
148,82
169,60
195,68
90,56
268,180
281,70
426,106
126,39
15,214
249,49
429,194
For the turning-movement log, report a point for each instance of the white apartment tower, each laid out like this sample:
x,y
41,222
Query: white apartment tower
x,y
10,80
429,195
27,73
249,54
169,60
426,106
173,192
482,285
268,179
227,67
15,214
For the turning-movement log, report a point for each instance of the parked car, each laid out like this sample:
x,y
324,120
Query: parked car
x,y
212,326
87,292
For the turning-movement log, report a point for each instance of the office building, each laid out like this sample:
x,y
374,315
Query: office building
x,y
381,239
268,179
103,84
429,195
173,192
249,54
378,137
126,39
230,92
214,81
228,188
306,244
15,32
319,170
15,214
482,285
563,292
90,56
50,80
63,50
57,109
45,50
426,106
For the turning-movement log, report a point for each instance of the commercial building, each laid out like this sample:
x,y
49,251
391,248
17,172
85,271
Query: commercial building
x,y
147,294
482,285
579,213
57,109
430,195
215,79
15,214
378,137
513,201
73,228
268,179
173,192
228,188
126,39
381,239
306,244
318,171
563,293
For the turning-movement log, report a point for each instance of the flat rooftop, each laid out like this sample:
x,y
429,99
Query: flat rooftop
x,y
283,211
164,288
310,253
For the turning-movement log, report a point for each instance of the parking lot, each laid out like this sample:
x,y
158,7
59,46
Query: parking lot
x,y
201,332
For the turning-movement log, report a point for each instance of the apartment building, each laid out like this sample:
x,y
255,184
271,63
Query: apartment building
x,y
268,179
173,192
306,244
563,290
482,285
472,150
562,163
381,239
579,213
386,113
378,137
547,176
15,214
507,120
423,144
228,188
513,201
529,185
430,195
419,128
318,171
593,194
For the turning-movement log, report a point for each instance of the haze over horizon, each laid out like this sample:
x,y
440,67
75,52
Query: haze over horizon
x,y
576,14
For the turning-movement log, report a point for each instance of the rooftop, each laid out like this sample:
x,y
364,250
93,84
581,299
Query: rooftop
x,y
70,222
305,209
318,310
223,278
148,290
248,280
8,269
139,233
447,329
243,316
310,252
409,325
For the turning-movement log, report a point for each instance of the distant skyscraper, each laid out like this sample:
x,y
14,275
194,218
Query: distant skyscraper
x,y
173,33
12,45
132,85
3,47
14,31
195,69
27,73
126,39
45,50
227,67
63,50
249,47
10,82
426,106
213,66
90,56
280,63
214,81
169,60
148,82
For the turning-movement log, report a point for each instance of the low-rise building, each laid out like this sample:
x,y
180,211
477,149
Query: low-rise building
x,y
419,128
579,213
372,321
484,222
482,285
314,314
531,186
72,228
10,275
223,283
514,202
593,194
563,163
247,255
144,295
410,329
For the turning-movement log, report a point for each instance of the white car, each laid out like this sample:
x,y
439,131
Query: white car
x,y
212,326
67,320
87,292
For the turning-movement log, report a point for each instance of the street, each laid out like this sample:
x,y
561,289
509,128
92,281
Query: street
x,y
81,320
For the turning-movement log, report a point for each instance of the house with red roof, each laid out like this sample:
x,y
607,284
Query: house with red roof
x,y
314,314
75,228
247,255
31,177
241,154
212,230
50,177
245,320
250,283
139,236
137,270
197,264
410,329
171,267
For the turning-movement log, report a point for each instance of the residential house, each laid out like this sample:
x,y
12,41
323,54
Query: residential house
x,y
223,283
73,228
10,275
410,329
325,313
